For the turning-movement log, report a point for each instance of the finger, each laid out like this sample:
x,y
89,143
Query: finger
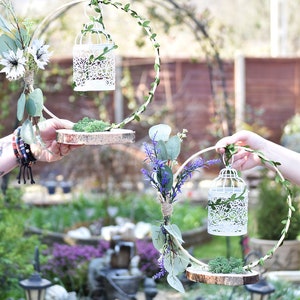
x,y
64,149
62,124
56,124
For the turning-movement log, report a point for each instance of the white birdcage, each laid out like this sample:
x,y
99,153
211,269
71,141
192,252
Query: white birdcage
x,y
228,204
93,75
94,60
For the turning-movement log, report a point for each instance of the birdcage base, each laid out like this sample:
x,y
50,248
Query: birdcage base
x,y
198,275
95,85
114,136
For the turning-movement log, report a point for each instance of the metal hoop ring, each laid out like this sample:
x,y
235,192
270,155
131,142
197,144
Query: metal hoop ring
x,y
152,37
289,203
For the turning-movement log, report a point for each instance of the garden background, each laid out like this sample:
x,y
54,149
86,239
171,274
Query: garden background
x,y
200,46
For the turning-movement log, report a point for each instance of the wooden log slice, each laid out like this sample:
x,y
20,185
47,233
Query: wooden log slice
x,y
114,136
198,275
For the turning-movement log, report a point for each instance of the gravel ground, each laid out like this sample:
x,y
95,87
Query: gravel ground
x,y
162,295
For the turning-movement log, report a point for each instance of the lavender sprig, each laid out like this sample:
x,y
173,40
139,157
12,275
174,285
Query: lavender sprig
x,y
188,172
161,176
162,271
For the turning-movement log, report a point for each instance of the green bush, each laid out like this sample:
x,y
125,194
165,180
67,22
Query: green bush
x,y
272,210
16,250
136,207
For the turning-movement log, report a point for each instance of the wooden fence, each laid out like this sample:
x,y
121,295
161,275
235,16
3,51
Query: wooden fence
x,y
184,97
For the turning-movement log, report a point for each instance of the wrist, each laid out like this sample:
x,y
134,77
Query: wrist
x,y
36,151
24,156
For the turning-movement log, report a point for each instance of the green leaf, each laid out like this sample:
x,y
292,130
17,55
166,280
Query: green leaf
x,y
181,262
175,283
27,132
30,107
174,230
127,7
175,262
7,43
158,237
4,25
162,152
21,107
173,146
34,104
146,23
160,132
169,262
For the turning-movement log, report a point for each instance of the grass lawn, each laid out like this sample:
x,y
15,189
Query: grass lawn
x,y
219,246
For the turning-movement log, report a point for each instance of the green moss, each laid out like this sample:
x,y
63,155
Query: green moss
x,y
226,266
90,125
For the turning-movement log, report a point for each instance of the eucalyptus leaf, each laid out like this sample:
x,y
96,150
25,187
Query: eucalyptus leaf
x,y
160,132
4,25
162,153
7,43
181,261
175,262
175,283
21,107
174,230
173,146
34,103
169,263
27,132
30,107
158,237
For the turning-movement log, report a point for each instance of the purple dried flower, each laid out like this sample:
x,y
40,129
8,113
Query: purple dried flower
x,y
160,174
188,171
162,272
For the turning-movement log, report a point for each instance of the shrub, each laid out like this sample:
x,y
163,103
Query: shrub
x,y
272,210
148,257
16,250
69,264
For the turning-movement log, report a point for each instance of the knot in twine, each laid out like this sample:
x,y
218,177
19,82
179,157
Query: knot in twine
x,y
29,80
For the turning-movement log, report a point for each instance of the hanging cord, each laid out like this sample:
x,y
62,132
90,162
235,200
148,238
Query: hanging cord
x,y
24,157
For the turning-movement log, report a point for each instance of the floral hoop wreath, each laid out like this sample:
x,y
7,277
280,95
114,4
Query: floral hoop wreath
x,y
145,24
233,279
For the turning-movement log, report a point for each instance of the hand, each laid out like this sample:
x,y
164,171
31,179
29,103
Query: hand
x,y
52,150
243,159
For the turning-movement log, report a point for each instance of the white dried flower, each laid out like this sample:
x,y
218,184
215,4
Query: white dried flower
x,y
40,53
14,64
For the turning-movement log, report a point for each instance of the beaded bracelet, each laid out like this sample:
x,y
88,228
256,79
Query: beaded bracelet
x,y
24,157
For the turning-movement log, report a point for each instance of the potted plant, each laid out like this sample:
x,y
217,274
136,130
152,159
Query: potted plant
x,y
270,213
